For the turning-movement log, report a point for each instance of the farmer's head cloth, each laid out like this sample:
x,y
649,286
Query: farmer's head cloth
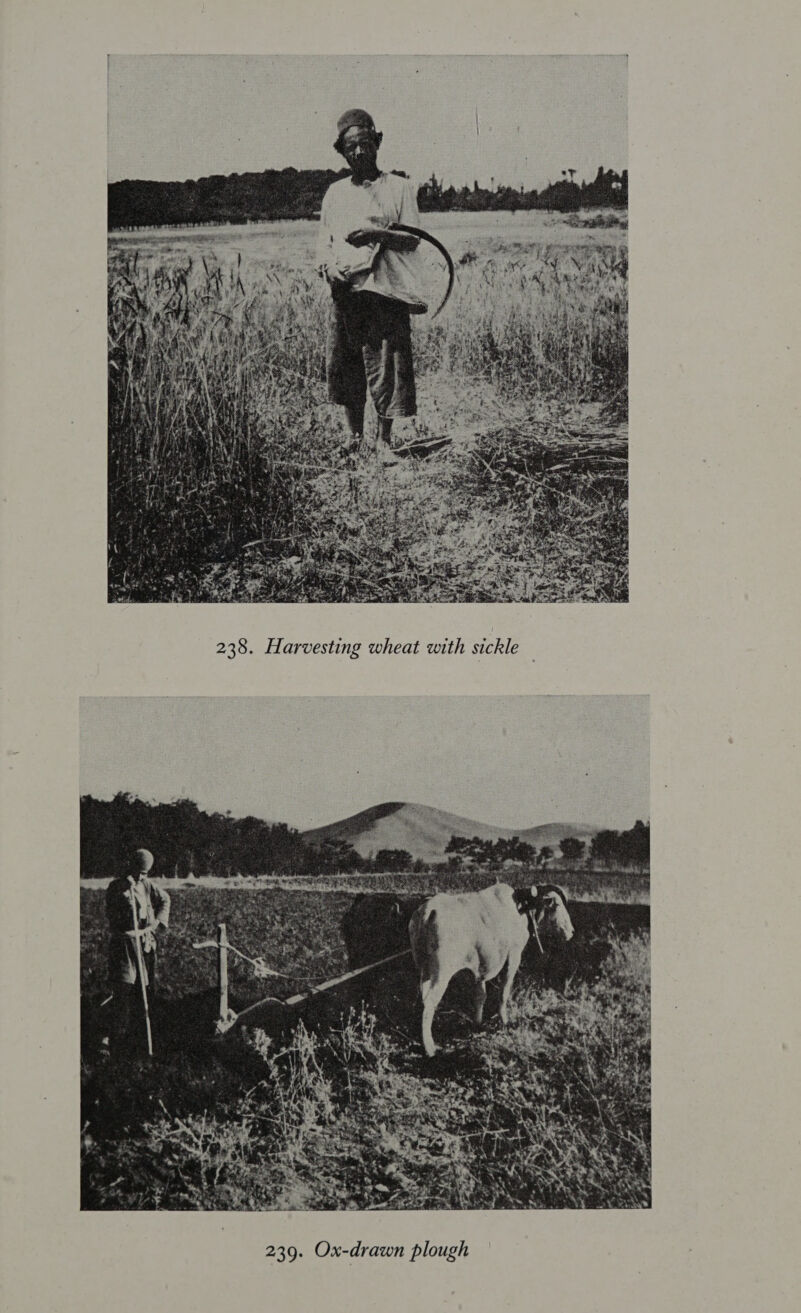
x,y
142,860
352,118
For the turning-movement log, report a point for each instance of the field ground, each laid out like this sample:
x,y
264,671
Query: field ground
x,y
340,1110
226,482
289,244
582,884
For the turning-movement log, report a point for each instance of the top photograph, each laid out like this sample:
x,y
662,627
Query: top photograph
x,y
367,328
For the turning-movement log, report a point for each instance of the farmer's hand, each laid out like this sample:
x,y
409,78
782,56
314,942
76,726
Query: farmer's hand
x,y
334,276
367,236
386,238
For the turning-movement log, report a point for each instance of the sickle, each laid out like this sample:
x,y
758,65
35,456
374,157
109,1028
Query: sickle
x,y
426,237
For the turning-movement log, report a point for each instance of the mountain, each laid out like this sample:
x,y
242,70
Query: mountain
x,y
425,831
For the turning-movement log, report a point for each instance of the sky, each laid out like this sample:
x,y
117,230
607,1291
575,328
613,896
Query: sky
x,y
518,119
508,761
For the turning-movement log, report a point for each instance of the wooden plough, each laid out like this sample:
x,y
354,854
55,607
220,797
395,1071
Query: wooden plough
x,y
269,1010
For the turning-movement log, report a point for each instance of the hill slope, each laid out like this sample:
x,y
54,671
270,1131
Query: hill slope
x,y
425,831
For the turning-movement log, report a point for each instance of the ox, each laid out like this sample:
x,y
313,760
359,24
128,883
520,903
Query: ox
x,y
482,932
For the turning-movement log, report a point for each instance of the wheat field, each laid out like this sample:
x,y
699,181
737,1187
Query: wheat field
x,y
225,481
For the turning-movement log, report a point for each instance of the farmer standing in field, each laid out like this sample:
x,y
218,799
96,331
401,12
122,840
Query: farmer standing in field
x,y
370,270
135,909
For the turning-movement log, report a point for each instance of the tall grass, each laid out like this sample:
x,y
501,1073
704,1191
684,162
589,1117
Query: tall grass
x,y
557,323
208,390
216,437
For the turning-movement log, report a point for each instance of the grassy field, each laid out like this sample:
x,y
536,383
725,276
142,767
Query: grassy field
x,y
224,476
587,886
339,1109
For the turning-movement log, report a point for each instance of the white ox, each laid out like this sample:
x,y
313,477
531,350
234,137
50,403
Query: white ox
x,y
481,932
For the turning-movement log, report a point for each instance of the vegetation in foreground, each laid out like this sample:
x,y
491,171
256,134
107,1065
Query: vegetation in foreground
x,y
224,476
342,1111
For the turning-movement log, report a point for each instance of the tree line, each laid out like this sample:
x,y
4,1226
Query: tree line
x,y
298,193
187,841
608,848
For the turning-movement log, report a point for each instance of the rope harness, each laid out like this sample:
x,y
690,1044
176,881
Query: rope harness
x,y
526,907
260,967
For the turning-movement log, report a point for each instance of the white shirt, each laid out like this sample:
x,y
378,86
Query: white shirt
x,y
348,205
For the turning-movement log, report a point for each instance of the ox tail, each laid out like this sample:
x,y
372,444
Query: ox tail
x,y
424,937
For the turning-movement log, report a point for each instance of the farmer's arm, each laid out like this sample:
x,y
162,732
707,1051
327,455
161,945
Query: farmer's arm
x,y
325,238
326,265
161,905
386,237
406,213
118,908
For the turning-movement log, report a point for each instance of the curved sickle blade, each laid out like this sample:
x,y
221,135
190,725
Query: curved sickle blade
x,y
426,237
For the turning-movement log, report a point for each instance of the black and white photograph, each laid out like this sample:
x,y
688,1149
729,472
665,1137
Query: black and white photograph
x,y
365,953
367,328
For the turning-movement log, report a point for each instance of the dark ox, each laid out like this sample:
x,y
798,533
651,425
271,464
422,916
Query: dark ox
x,y
482,932
376,925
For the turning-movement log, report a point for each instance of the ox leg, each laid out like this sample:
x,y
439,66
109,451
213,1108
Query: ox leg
x,y
431,992
480,998
512,964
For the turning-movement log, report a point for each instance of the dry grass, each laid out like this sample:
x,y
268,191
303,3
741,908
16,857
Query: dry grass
x,y
338,1108
551,1112
224,478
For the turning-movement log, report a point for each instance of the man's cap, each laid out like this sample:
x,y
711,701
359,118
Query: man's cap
x,y
353,118
142,860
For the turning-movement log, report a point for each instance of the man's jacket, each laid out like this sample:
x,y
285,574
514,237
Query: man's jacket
x,y
133,904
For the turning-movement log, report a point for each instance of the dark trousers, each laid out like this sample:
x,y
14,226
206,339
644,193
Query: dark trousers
x,y
127,1014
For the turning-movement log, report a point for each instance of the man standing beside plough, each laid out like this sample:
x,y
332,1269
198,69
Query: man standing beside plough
x,y
371,272
136,910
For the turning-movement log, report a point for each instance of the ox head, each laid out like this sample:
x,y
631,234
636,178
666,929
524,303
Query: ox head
x,y
545,907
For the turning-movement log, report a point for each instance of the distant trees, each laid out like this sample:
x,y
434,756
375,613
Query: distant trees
x,y
183,839
627,848
393,859
609,848
486,852
572,848
186,840
238,198
298,193
332,857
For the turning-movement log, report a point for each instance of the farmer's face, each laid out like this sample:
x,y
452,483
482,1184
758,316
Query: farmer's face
x,y
360,148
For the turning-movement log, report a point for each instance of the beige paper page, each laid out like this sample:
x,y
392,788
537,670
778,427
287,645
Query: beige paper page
x,y
708,635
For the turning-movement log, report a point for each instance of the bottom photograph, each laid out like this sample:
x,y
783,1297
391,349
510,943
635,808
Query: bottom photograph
x,y
359,953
